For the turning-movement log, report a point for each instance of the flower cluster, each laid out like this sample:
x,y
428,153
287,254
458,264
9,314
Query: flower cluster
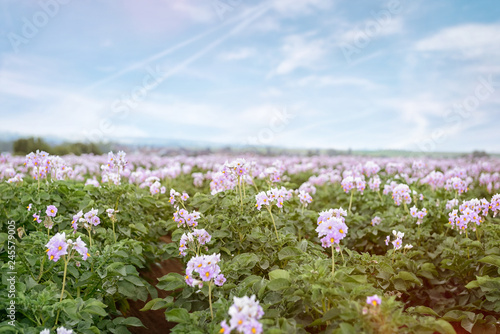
x,y
87,220
229,175
40,162
238,167
245,314
111,171
176,196
400,194
193,239
221,181
331,227
418,214
397,242
271,196
184,218
374,183
349,183
451,204
376,220
155,187
59,246
457,184
495,204
469,212
304,198
198,179
206,268
371,168
273,173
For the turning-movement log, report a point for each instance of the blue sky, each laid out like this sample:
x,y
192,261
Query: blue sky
x,y
400,74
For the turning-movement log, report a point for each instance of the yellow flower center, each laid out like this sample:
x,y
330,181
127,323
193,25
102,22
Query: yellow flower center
x,y
374,303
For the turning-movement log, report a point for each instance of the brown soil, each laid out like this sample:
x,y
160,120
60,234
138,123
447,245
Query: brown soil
x,y
154,320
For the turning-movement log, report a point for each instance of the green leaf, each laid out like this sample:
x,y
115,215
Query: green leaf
x,y
95,307
472,284
133,321
407,276
279,273
179,315
491,259
134,280
278,284
245,260
425,310
446,327
118,268
171,281
289,252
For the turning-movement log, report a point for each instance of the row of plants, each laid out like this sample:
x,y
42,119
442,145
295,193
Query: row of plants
x,y
272,253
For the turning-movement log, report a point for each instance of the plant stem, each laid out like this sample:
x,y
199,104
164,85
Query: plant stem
x,y
114,234
90,237
418,237
41,269
406,208
333,261
241,196
274,224
66,260
38,178
350,201
468,257
210,299
379,196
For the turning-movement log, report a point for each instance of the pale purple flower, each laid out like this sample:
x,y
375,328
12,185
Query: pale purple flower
x,y
376,221
81,248
220,280
373,300
57,247
224,327
62,330
51,211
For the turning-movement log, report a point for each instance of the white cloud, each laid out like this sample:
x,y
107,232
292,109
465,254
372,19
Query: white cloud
x,y
464,41
237,54
301,51
371,29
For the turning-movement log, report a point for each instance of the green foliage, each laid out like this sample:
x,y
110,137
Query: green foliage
x,y
445,278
